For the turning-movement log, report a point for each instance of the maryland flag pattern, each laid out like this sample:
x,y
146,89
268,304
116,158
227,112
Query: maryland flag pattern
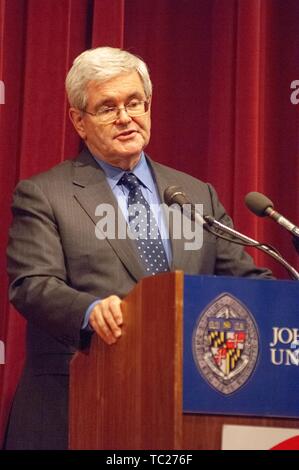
x,y
225,343
226,347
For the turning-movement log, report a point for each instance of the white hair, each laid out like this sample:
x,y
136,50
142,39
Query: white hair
x,y
101,64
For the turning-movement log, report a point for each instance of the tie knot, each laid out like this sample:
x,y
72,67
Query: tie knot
x,y
130,181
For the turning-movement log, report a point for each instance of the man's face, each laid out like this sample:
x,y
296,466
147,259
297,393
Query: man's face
x,y
120,142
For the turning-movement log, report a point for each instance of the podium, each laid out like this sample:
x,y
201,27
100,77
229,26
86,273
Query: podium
x,y
130,395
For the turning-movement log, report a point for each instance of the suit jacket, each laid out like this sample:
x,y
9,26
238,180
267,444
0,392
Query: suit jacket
x,y
58,267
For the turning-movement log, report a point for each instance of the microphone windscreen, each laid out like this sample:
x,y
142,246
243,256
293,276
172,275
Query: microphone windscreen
x,y
258,203
175,195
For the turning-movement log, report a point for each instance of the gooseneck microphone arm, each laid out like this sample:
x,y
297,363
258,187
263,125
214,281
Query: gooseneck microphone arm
x,y
212,222
175,195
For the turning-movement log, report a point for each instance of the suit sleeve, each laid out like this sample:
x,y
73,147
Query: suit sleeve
x,y
36,266
231,258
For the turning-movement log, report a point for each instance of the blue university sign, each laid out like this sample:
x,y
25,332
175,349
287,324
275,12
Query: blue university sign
x,y
241,346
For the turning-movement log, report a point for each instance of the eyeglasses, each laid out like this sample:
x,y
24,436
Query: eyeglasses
x,y
107,115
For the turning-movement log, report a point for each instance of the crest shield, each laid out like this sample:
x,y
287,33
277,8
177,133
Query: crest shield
x,y
225,344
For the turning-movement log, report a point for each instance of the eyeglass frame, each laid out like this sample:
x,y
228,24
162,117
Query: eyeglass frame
x,y
119,109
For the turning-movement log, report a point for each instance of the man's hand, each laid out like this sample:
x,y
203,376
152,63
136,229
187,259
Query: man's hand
x,y
106,319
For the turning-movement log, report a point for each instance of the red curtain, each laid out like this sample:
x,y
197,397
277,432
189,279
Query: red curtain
x,y
222,71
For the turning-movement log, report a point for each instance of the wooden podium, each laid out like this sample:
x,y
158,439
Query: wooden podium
x,y
129,395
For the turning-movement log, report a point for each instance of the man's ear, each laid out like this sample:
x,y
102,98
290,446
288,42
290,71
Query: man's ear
x,y
77,119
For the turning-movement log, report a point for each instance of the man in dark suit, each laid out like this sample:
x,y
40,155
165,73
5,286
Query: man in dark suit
x,y
66,277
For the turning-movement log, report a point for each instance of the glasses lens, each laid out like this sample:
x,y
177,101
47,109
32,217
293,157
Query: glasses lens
x,y
108,115
134,108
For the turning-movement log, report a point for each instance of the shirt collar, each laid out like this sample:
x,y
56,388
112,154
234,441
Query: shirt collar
x,y
141,170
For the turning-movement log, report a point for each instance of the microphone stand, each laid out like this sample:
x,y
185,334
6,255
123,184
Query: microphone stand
x,y
210,221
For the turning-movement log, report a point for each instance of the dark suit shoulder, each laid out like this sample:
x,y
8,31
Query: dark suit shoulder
x,y
169,171
57,172
54,184
62,175
191,185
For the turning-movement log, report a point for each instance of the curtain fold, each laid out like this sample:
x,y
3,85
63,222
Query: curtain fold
x,y
221,71
108,23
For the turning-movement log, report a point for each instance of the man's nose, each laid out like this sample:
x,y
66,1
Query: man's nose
x,y
123,116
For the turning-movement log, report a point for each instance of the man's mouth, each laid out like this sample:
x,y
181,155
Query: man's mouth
x,y
126,134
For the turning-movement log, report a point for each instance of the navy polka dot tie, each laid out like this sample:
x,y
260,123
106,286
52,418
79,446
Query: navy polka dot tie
x,y
145,228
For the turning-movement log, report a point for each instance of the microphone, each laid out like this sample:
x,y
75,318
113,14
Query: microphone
x,y
176,195
260,205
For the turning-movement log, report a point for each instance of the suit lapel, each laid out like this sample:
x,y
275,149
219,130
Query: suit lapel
x,y
92,189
